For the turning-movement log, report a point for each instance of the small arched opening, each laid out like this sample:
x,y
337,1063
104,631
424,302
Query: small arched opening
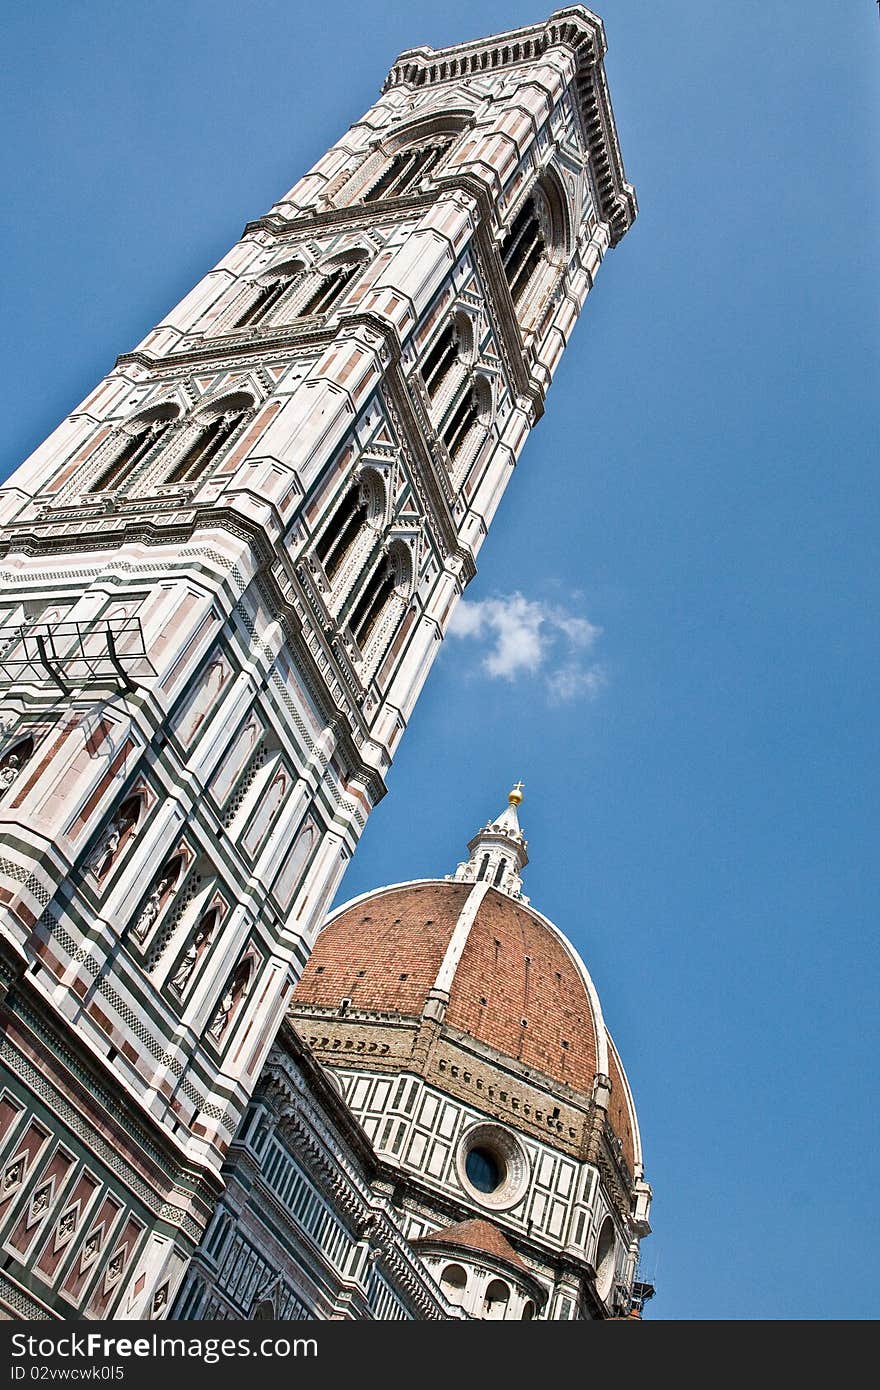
x,y
496,1300
453,1282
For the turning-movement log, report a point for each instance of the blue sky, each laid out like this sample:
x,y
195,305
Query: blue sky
x,y
683,570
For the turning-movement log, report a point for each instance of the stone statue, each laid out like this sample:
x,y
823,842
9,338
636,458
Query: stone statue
x,y
9,771
109,844
151,910
234,990
191,955
221,1017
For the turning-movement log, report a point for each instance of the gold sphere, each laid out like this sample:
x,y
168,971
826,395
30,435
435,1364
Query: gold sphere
x,y
515,795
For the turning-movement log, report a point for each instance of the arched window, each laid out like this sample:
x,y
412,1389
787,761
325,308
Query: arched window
x,y
484,868
528,1311
135,441
466,420
453,1282
214,432
523,249
496,1299
440,360
205,447
342,530
269,294
369,613
460,423
499,873
330,285
374,596
449,357
407,171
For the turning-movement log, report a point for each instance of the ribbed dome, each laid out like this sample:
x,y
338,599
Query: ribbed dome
x,y
517,985
470,955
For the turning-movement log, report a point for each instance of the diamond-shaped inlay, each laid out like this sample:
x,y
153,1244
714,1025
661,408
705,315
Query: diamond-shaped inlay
x,y
13,1175
67,1225
41,1201
92,1247
115,1268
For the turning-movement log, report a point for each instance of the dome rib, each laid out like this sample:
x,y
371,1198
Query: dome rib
x,y
410,947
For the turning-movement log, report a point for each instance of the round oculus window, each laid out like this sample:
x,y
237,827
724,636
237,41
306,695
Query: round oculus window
x,y
492,1166
484,1169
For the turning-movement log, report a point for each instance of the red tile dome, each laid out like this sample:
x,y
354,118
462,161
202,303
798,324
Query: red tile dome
x,y
517,986
470,953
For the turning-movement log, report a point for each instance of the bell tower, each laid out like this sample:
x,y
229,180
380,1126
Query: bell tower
x,y
223,580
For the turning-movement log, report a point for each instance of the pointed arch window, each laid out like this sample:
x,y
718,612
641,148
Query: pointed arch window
x,y
407,171
461,422
369,607
213,435
523,249
440,360
134,448
132,445
467,421
342,530
382,596
329,288
269,295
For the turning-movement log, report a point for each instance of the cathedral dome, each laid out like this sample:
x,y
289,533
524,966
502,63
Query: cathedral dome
x,y
472,956
512,980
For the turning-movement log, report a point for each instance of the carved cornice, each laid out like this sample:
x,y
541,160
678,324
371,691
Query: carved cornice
x,y
355,215
233,345
225,349
583,34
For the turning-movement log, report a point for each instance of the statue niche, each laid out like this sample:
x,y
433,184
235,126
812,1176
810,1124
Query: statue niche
x,y
199,942
235,991
267,809
116,836
13,761
161,893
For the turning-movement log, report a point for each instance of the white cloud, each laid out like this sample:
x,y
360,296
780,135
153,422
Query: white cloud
x,y
524,636
575,682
